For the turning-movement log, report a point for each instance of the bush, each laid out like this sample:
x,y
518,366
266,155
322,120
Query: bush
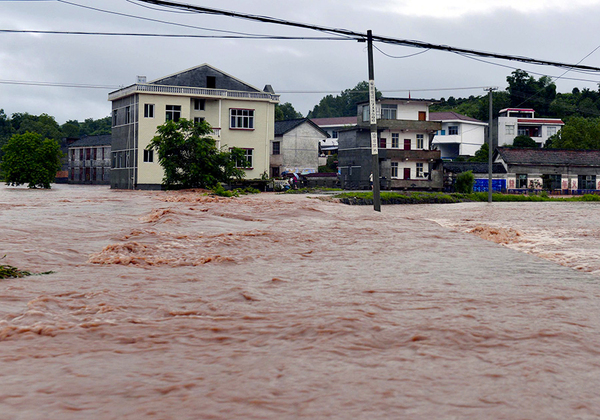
x,y
465,182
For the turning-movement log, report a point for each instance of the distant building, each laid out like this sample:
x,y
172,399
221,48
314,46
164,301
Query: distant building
x,y
333,126
569,171
513,122
296,147
480,172
89,160
460,135
404,139
240,114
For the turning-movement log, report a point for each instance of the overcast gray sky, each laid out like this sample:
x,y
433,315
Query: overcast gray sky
x,y
301,71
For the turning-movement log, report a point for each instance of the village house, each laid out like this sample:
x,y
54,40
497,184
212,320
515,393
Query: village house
x,y
513,122
404,137
332,126
296,147
89,160
240,115
460,136
565,171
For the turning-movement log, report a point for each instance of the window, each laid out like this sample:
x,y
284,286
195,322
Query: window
x,y
242,118
199,104
453,130
365,113
114,117
148,155
422,116
509,130
523,132
551,131
441,132
127,114
198,120
382,143
276,147
586,182
211,82
419,170
388,111
394,169
173,113
148,110
521,180
248,156
420,141
395,140
334,134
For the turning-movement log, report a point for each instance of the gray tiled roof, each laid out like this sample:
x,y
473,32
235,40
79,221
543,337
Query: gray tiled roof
x,y
93,141
550,156
282,127
476,167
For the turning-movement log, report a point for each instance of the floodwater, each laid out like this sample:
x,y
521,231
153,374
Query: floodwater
x,y
177,306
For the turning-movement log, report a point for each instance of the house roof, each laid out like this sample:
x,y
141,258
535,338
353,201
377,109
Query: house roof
x,y
407,100
451,116
196,77
549,156
541,121
90,141
476,167
324,122
282,127
517,109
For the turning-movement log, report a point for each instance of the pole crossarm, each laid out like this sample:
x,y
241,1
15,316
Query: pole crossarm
x,y
359,36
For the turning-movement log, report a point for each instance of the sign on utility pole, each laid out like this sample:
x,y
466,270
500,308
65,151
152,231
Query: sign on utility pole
x,y
373,125
490,145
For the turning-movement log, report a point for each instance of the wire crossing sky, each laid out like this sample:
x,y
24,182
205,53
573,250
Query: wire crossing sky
x,y
362,36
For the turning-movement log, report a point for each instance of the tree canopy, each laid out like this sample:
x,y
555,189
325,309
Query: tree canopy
x,y
524,142
286,112
482,155
30,159
190,157
577,133
344,104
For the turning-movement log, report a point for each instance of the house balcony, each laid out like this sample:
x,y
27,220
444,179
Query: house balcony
x,y
403,125
411,155
454,138
191,91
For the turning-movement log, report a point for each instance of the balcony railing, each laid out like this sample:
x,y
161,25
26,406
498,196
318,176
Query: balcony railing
x,y
191,91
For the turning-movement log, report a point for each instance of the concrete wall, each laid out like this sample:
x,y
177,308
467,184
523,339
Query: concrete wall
x,y
300,148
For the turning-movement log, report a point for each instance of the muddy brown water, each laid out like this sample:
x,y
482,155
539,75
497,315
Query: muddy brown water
x,y
178,306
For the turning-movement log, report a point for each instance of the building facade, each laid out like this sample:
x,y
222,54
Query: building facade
x,y
240,115
89,160
459,136
556,170
404,135
332,126
296,147
513,122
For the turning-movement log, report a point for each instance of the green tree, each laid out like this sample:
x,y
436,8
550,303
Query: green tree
x,y
578,133
526,92
6,130
286,112
43,124
344,104
481,155
191,159
30,159
465,182
524,141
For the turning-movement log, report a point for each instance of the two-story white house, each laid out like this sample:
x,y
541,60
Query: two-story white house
x,y
513,122
405,156
240,114
459,136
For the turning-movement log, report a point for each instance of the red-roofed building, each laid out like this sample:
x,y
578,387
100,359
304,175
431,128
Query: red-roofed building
x,y
513,122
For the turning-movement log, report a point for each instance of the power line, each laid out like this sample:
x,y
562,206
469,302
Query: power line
x,y
271,37
362,36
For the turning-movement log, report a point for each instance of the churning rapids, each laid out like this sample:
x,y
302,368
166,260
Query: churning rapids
x,y
171,305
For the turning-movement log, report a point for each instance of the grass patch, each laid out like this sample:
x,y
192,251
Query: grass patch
x,y
421,197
